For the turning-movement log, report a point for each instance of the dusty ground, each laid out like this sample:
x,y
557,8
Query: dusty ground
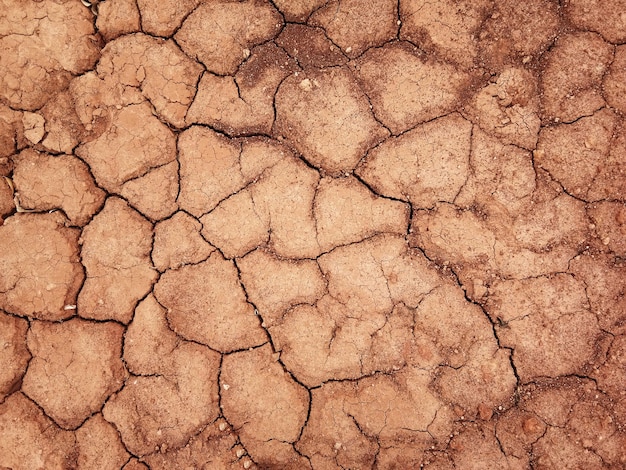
x,y
306,234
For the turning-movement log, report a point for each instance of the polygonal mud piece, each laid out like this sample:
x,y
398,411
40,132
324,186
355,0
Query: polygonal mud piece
x,y
614,84
154,194
605,286
7,204
62,353
41,244
310,46
475,448
14,354
298,10
610,376
118,17
546,322
274,285
457,337
177,242
517,430
265,405
32,440
574,154
346,211
571,80
163,18
135,142
447,28
423,166
210,169
221,34
350,421
327,118
11,136
165,75
556,450
610,182
501,177
99,446
407,88
135,464
148,342
116,256
356,330
283,198
243,104
508,108
603,16
206,303
212,448
45,182
64,131
517,33
50,41
235,226
357,25
609,219
160,412
33,127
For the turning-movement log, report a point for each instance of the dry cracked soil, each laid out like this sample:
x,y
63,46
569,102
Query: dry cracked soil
x,y
312,234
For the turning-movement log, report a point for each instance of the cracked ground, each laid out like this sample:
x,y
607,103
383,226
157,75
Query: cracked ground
x,y
309,234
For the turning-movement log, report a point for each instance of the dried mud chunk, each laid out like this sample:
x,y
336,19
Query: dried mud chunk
x,y
162,412
446,27
605,285
46,182
423,166
30,439
349,421
99,446
570,83
517,431
135,142
346,211
518,32
310,46
11,136
475,372
118,17
298,10
275,285
14,354
501,177
610,183
219,33
154,194
7,204
508,108
243,104
406,89
163,18
212,448
547,323
357,25
62,352
610,221
235,226
268,422
166,76
206,304
574,154
116,256
327,118
177,242
614,84
210,169
64,130
37,67
476,448
603,16
33,127
611,375
39,243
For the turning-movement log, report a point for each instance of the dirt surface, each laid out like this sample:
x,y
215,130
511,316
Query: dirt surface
x,y
311,234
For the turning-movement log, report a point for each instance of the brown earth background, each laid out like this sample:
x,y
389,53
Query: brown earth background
x,y
308,234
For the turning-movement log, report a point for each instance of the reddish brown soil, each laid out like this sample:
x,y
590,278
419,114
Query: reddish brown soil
x,y
313,234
